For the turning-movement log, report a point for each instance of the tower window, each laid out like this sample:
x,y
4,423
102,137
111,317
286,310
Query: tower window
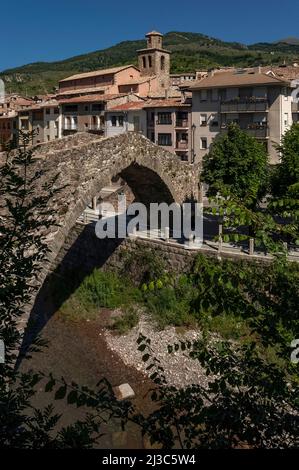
x,y
149,61
144,62
162,62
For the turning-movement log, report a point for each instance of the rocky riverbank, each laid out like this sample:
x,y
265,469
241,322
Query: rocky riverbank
x,y
180,369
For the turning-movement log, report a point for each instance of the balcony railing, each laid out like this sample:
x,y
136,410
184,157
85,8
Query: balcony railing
x,y
96,128
181,145
245,106
181,123
73,127
167,122
295,107
257,131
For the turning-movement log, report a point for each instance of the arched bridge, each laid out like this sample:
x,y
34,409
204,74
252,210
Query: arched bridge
x,y
86,164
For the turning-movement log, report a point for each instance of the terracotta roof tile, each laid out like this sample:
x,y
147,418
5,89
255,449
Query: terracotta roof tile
x,y
95,73
129,106
165,103
90,98
235,78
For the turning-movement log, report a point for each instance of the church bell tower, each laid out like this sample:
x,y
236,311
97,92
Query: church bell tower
x,y
154,60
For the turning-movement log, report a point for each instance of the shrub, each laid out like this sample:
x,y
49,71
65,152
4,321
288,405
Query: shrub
x,y
100,289
127,321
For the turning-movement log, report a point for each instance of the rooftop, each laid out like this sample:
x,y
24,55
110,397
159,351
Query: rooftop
x,y
95,73
237,78
288,72
90,98
154,33
132,105
165,103
75,91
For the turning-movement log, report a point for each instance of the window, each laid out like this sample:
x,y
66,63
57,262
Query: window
x,y
214,120
70,108
144,62
203,95
286,119
164,139
149,61
56,110
85,108
117,121
285,93
162,62
24,125
214,94
164,118
86,125
47,110
48,138
97,107
152,136
203,143
48,125
203,120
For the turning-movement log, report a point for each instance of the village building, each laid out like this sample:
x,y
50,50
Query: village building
x,y
260,103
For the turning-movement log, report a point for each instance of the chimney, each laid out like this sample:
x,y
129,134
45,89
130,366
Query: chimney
x,y
258,69
211,73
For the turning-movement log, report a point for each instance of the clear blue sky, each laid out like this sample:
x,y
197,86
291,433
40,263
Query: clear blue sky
x,y
39,30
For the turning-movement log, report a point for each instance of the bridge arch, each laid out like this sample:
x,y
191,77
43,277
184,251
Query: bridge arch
x,y
86,164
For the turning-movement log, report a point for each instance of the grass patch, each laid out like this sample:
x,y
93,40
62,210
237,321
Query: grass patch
x,y
227,326
126,321
99,289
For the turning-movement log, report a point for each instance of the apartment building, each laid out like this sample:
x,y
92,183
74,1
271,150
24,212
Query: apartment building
x,y
87,113
290,73
177,79
126,117
8,126
260,103
169,125
41,121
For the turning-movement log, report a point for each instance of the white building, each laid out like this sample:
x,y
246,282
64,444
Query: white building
x,y
126,117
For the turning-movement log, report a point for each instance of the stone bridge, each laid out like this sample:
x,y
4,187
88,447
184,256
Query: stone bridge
x,y
86,164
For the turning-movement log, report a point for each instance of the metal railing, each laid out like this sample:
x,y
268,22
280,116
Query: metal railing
x,y
181,123
244,106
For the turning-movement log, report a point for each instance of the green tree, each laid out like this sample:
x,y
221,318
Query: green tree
x,y
237,163
25,216
286,174
245,402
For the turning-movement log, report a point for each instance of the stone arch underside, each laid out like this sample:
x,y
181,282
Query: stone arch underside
x,y
153,174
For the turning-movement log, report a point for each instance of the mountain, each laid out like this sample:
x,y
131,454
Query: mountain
x,y
292,41
190,51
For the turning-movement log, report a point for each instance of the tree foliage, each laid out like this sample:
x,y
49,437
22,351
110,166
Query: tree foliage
x,y
237,162
25,216
286,177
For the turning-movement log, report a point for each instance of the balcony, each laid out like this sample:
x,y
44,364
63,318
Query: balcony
x,y
68,130
259,131
182,123
295,107
166,122
96,128
181,145
251,105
